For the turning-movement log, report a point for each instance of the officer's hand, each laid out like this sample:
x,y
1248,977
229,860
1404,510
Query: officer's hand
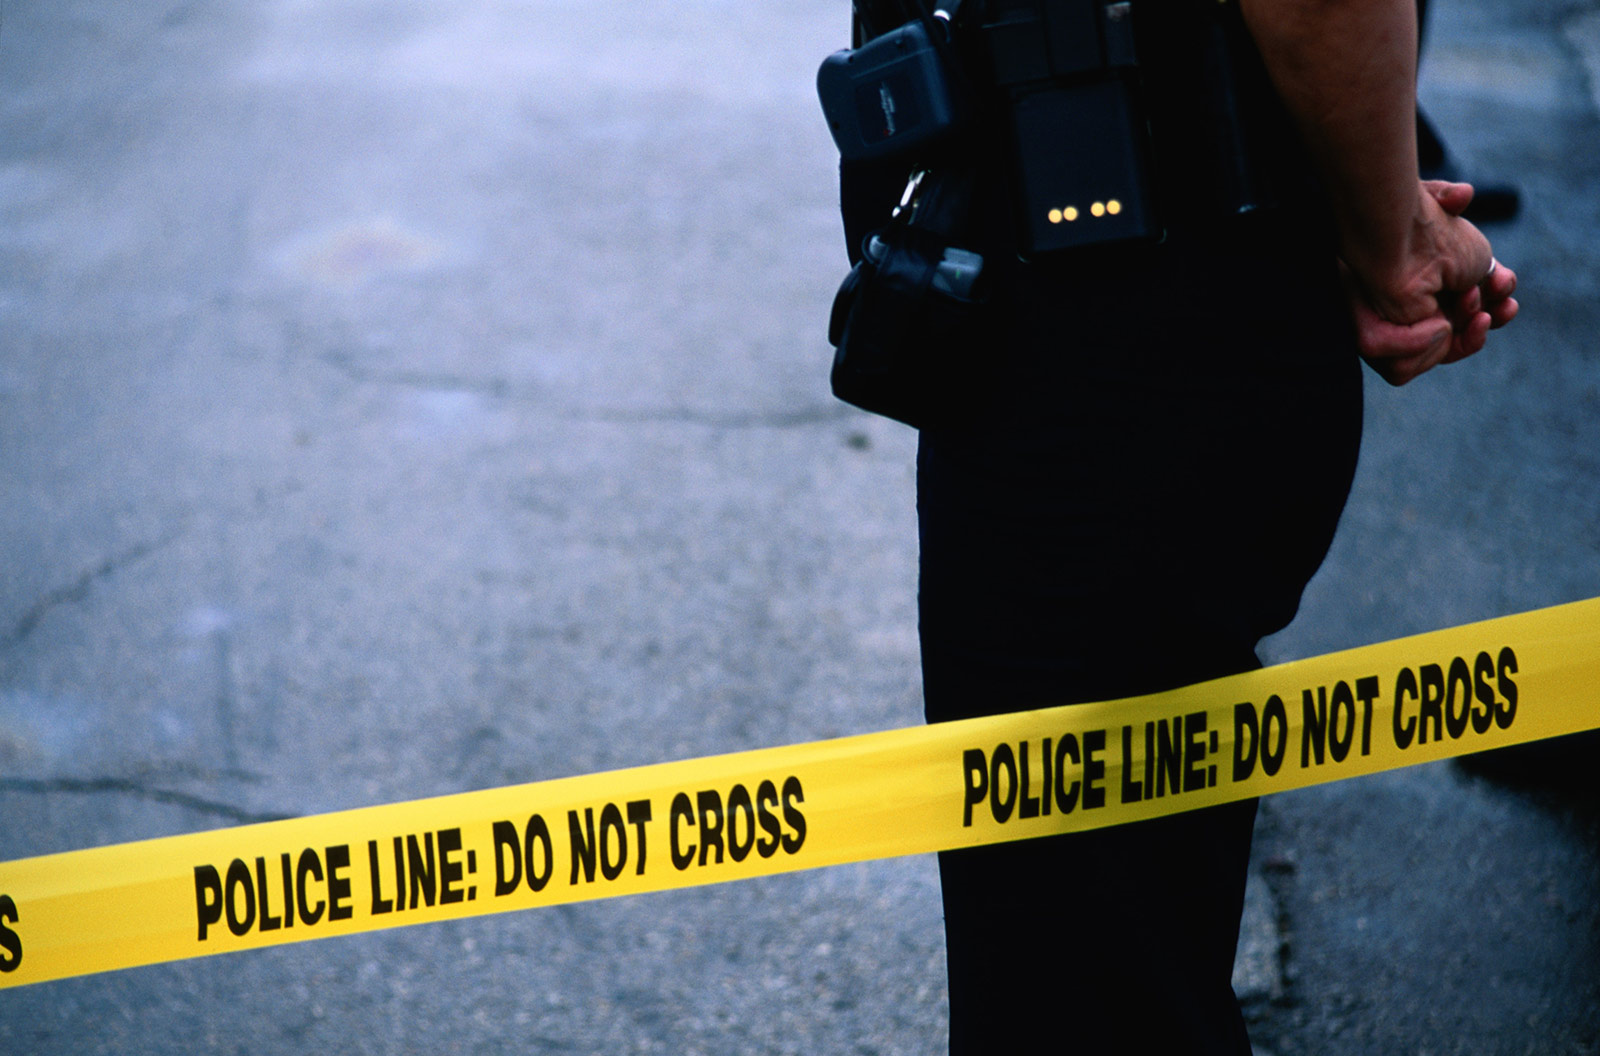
x,y
1441,304
1396,352
1492,295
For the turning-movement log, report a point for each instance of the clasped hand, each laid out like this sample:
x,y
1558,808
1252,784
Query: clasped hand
x,y
1438,302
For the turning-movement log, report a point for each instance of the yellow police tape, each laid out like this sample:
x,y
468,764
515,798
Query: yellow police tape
x,y
701,821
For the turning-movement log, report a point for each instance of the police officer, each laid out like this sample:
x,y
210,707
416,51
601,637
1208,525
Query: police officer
x,y
1162,447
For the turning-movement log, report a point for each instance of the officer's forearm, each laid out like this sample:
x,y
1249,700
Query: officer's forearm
x,y
1347,71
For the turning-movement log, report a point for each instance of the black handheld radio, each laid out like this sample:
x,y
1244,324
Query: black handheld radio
x,y
896,95
1062,75
1069,72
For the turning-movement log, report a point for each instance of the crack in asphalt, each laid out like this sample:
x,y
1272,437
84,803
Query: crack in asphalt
x,y
728,419
1582,34
502,389
121,786
79,588
416,379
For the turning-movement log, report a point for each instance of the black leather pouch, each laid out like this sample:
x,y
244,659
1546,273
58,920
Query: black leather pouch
x,y
907,317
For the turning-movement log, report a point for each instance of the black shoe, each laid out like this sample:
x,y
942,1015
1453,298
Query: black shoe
x,y
1492,203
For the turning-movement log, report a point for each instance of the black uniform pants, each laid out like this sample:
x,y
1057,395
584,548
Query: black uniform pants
x,y
1158,469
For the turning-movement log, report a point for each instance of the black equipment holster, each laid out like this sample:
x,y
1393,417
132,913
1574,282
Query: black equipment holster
x,y
922,90
905,317
1063,75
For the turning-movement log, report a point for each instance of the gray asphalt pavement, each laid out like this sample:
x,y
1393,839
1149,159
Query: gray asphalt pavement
x,y
399,399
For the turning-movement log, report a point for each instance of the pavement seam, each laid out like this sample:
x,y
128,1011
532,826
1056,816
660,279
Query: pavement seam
x,y
1581,32
502,389
119,786
79,588
727,420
